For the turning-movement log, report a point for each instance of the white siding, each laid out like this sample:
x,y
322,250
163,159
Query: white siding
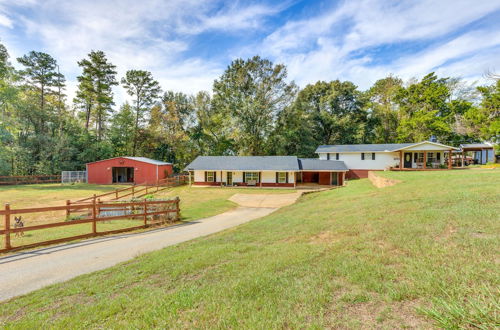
x,y
199,176
383,160
266,176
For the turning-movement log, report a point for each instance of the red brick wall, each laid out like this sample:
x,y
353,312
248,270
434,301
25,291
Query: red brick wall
x,y
357,174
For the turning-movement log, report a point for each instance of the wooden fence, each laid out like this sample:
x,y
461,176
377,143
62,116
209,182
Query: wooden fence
x,y
29,179
152,213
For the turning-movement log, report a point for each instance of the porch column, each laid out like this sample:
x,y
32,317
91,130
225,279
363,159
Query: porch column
x,y
425,160
400,160
189,177
343,179
463,158
260,179
449,159
221,179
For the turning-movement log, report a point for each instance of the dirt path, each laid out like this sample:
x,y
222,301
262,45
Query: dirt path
x,y
27,271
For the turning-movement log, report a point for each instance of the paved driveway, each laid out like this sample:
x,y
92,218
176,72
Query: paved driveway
x,y
27,271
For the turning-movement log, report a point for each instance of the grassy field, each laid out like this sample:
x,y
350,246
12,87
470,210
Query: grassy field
x,y
196,203
420,254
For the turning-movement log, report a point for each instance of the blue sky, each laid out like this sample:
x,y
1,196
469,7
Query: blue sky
x,y
186,44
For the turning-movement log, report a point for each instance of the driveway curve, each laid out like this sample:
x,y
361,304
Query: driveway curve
x,y
24,272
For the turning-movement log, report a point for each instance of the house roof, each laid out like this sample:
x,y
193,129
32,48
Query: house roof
x,y
363,147
386,147
244,163
313,164
476,146
139,159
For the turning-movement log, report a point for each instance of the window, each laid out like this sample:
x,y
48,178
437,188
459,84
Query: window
x,y
431,157
282,177
373,156
251,176
327,156
337,156
210,176
419,157
362,156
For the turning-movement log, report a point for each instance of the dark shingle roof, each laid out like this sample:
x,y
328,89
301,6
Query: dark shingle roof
x,y
363,147
313,164
244,163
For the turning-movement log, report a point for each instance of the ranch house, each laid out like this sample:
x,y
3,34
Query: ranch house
x,y
265,171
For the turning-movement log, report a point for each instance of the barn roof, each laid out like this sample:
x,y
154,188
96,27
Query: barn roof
x,y
139,159
314,164
244,163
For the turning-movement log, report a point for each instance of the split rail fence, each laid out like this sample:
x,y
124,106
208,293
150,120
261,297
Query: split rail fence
x,y
29,179
151,212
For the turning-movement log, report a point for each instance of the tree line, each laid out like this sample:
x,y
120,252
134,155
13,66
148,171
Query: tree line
x,y
253,109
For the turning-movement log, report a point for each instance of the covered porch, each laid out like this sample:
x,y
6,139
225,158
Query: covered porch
x,y
425,156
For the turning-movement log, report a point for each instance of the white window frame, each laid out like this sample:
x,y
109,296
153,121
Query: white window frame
x,y
210,176
431,157
249,176
280,178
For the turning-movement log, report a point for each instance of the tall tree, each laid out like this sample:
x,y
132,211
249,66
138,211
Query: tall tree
x,y
250,94
336,110
384,109
425,110
145,91
121,132
95,95
40,72
485,119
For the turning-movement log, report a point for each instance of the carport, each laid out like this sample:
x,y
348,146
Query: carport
x,y
321,172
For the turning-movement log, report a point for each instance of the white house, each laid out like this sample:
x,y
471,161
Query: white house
x,y
335,163
361,158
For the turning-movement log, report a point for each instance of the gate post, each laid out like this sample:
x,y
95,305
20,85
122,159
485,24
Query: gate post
x,y
68,211
94,217
7,227
145,213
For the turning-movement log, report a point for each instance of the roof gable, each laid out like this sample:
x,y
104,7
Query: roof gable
x,y
138,159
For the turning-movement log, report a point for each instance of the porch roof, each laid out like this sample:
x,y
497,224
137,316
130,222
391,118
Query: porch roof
x,y
313,164
244,163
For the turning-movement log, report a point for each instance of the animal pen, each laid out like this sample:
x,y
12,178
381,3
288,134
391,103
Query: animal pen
x,y
144,213
107,213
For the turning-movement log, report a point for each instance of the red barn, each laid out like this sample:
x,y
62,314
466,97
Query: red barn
x,y
136,170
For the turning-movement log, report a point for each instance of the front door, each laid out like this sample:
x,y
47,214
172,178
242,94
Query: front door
x,y
229,180
407,160
335,181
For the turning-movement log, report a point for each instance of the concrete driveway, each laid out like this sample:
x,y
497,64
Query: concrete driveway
x,y
24,272
265,200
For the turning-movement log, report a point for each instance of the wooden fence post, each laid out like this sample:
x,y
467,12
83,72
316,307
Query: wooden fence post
x,y
177,213
68,211
145,213
116,194
7,227
94,217
99,207
133,191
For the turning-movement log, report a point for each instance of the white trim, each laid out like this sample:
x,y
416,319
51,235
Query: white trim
x,y
430,142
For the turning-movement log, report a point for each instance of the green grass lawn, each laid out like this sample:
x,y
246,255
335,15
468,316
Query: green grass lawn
x,y
420,254
195,203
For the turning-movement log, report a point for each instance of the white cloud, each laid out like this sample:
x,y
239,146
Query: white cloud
x,y
323,47
5,21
